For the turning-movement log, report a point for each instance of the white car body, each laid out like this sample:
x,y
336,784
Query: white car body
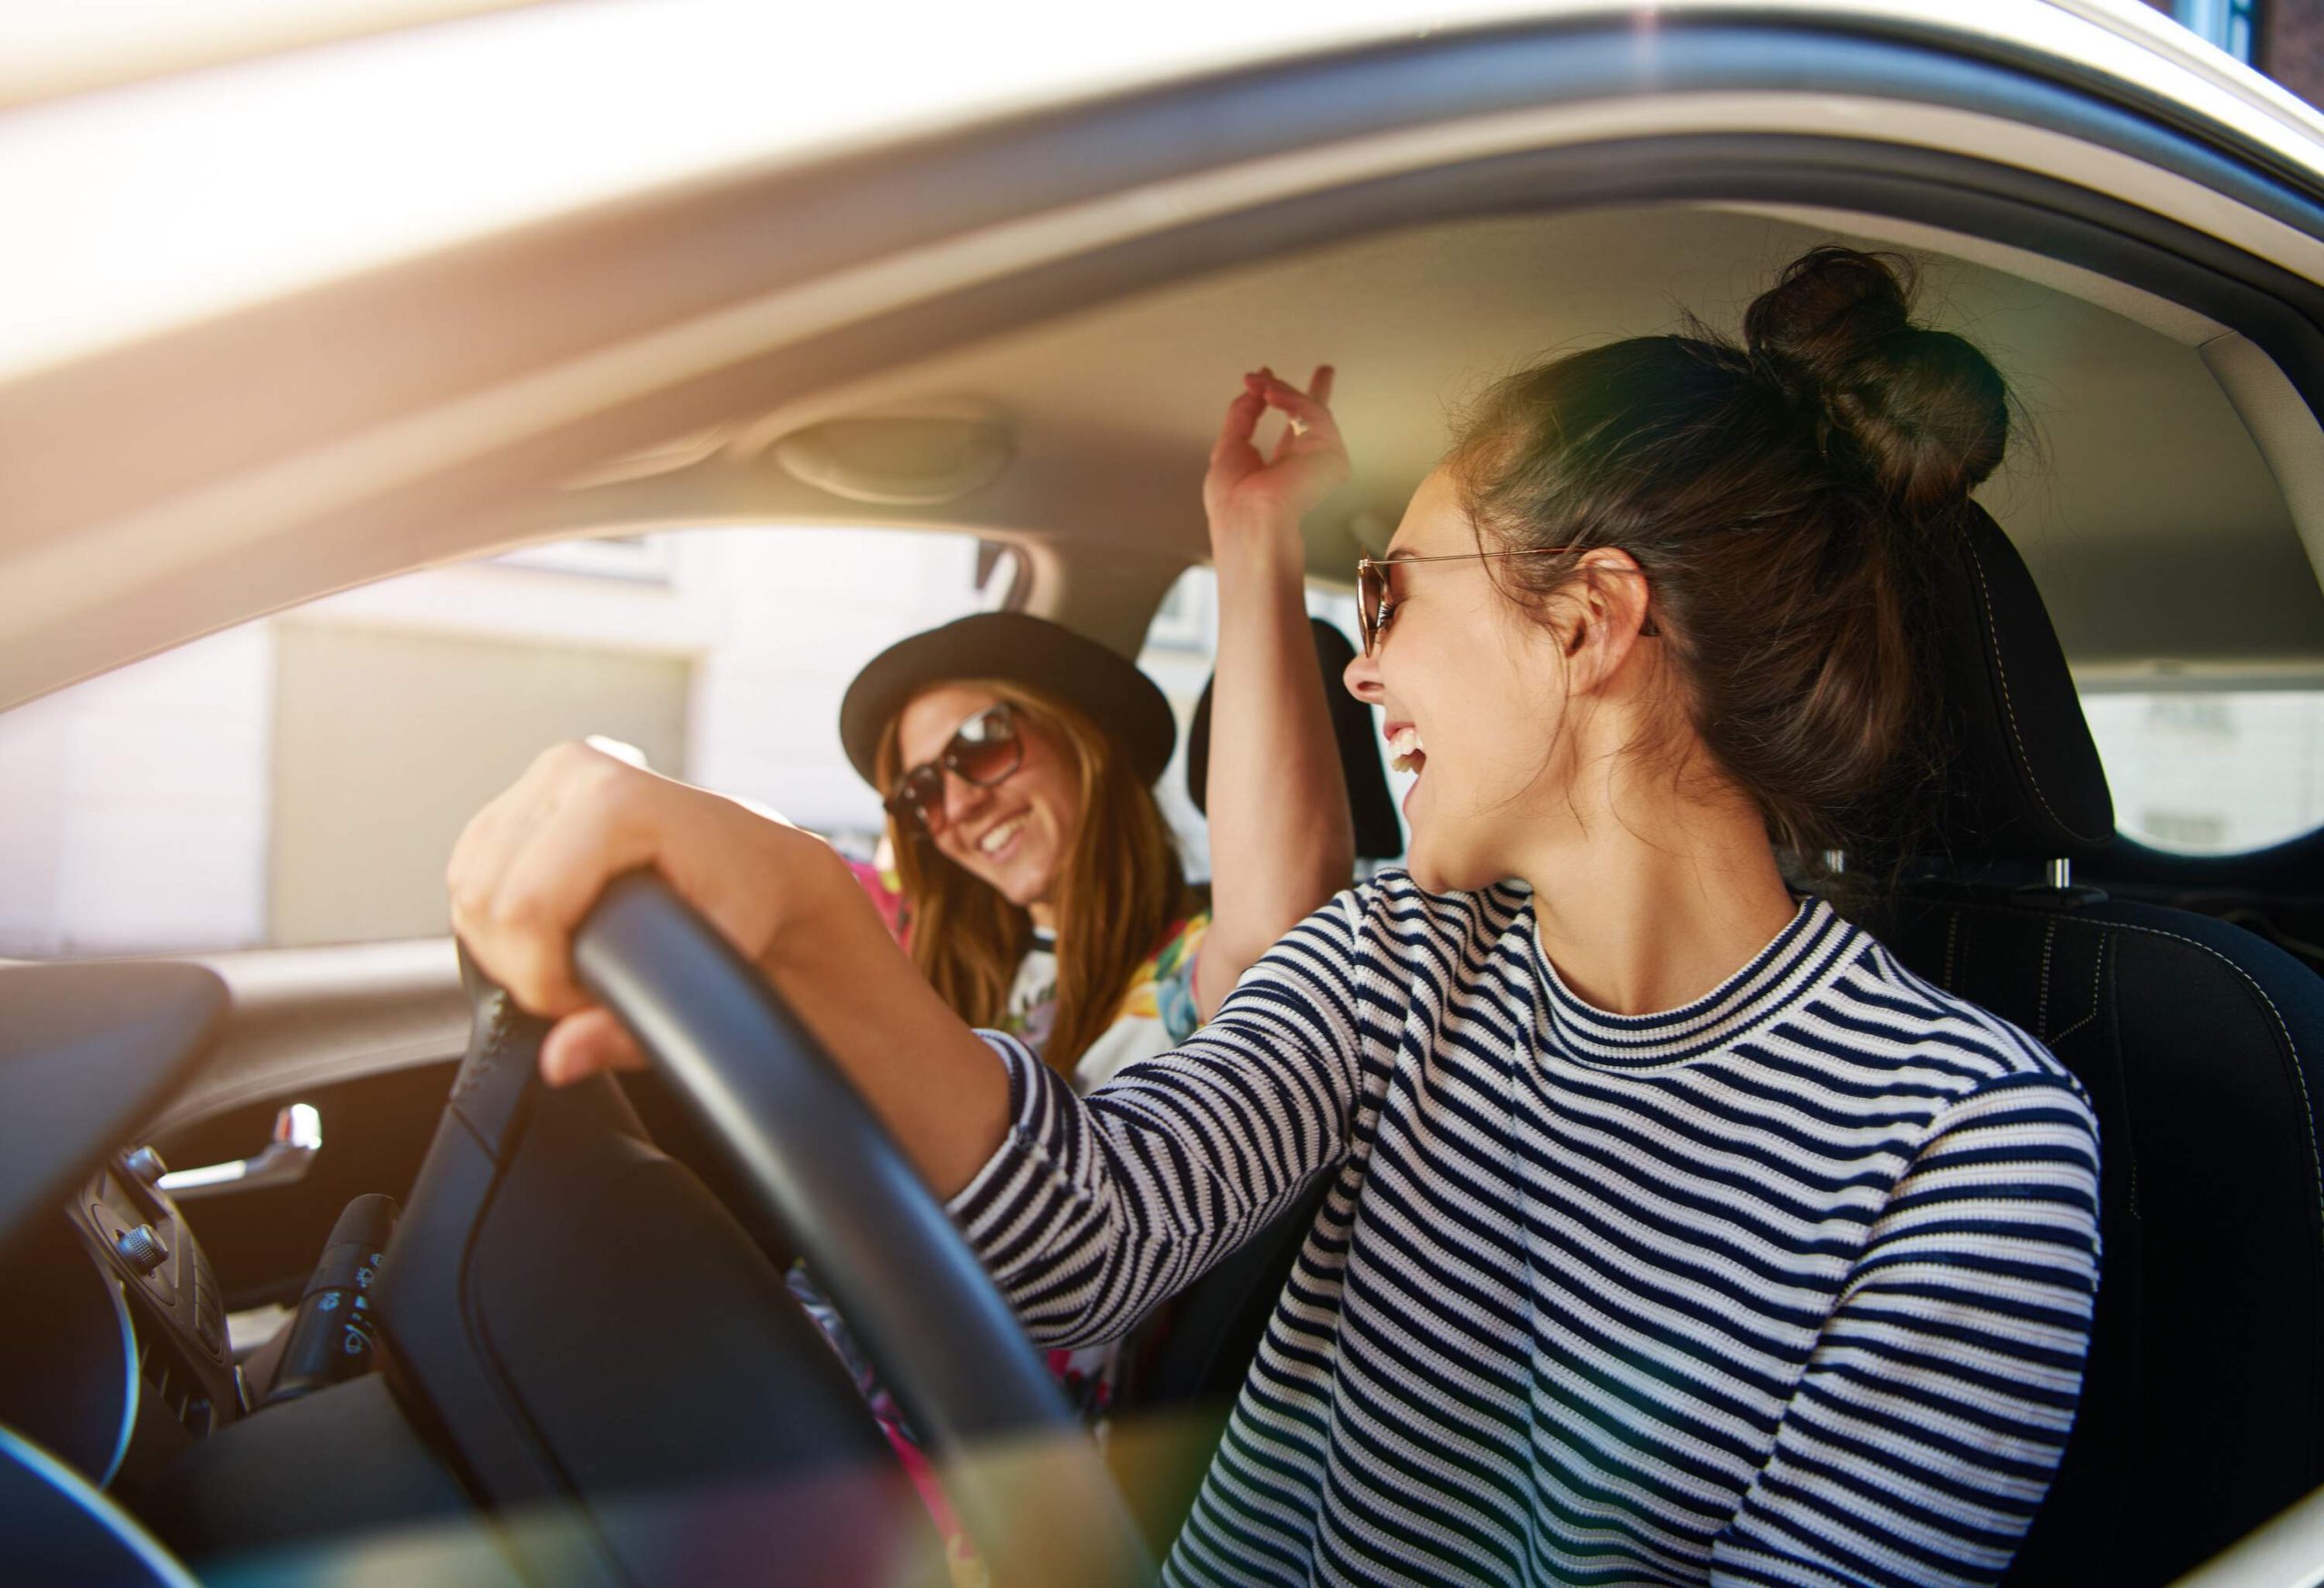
x,y
295,302
175,216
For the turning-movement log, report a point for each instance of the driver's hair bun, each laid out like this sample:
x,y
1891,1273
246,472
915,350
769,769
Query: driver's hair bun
x,y
1788,502
1921,412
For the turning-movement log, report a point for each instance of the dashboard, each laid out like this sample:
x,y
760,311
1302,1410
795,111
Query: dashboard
x,y
114,1353
113,1340
113,1356
135,1448
133,1444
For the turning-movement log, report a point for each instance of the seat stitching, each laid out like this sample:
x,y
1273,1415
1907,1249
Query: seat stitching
x,y
2114,985
2009,708
2042,1004
2308,1107
1951,943
2097,983
2307,1110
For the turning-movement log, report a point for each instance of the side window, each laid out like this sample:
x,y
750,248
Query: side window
x,y
299,780
1181,649
2211,772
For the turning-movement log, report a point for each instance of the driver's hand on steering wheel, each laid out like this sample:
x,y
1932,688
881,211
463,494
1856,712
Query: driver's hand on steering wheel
x,y
529,865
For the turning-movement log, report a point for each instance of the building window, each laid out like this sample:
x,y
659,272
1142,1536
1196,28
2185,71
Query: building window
x,y
2231,24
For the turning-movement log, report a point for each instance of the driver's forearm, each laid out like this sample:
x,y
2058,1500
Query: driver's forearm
x,y
1281,838
932,1081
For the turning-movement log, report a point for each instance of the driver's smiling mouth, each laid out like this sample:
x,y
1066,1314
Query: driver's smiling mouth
x,y
1404,743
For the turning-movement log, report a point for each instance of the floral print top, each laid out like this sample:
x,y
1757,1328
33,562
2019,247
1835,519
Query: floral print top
x,y
1157,1013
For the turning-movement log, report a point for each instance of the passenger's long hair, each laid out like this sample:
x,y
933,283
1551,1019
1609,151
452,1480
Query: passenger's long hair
x,y
1120,889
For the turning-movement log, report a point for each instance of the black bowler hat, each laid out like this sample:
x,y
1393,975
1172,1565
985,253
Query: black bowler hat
x,y
1013,647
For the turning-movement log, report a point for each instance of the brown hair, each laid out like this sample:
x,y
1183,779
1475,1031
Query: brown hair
x,y
1784,498
1120,889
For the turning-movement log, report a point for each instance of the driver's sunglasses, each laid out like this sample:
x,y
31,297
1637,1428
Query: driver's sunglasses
x,y
1375,607
984,751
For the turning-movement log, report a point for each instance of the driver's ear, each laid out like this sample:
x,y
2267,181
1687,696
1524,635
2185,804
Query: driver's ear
x,y
1605,617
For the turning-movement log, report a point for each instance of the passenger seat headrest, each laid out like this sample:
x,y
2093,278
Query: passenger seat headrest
x,y
1378,834
2023,780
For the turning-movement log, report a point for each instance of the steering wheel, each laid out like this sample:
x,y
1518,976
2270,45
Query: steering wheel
x,y
1024,1477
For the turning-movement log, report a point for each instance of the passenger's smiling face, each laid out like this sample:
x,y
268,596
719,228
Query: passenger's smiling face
x,y
1474,690
1014,836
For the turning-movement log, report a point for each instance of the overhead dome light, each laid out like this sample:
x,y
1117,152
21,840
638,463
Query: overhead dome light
x,y
899,460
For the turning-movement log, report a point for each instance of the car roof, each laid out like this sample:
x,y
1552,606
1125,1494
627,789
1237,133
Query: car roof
x,y
2131,473
293,166
201,373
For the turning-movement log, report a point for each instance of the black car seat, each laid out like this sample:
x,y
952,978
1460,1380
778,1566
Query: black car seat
x,y
1188,1372
1220,1319
2276,891
2203,1407
1378,834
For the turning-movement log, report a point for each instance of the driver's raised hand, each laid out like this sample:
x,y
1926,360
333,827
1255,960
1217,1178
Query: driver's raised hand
x,y
1248,491
529,864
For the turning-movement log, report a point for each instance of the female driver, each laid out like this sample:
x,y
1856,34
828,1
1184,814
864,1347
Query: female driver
x,y
1675,1233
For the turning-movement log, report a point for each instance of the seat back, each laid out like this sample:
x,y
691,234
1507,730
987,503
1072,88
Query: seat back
x,y
1378,835
2199,1044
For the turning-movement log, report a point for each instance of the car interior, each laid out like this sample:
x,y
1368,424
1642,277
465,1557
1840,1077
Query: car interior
x,y
559,1262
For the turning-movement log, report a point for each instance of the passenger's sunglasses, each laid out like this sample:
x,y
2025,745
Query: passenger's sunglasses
x,y
984,751
1375,607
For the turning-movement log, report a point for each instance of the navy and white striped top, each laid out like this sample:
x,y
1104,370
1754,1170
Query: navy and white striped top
x,y
1792,1284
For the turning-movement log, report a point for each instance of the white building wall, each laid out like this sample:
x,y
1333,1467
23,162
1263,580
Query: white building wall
x,y
137,806
138,803
801,612
2212,772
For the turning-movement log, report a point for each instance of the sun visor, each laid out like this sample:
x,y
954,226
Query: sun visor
x,y
898,461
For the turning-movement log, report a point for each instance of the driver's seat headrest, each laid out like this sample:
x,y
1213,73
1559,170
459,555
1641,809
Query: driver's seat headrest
x,y
2022,778
1378,834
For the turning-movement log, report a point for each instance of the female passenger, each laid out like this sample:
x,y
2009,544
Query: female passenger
x,y
1675,1233
1041,893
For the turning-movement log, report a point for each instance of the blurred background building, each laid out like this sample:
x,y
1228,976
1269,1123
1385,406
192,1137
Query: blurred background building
x,y
2283,38
300,780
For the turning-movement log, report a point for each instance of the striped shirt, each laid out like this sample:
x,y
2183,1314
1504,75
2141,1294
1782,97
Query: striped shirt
x,y
1791,1285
